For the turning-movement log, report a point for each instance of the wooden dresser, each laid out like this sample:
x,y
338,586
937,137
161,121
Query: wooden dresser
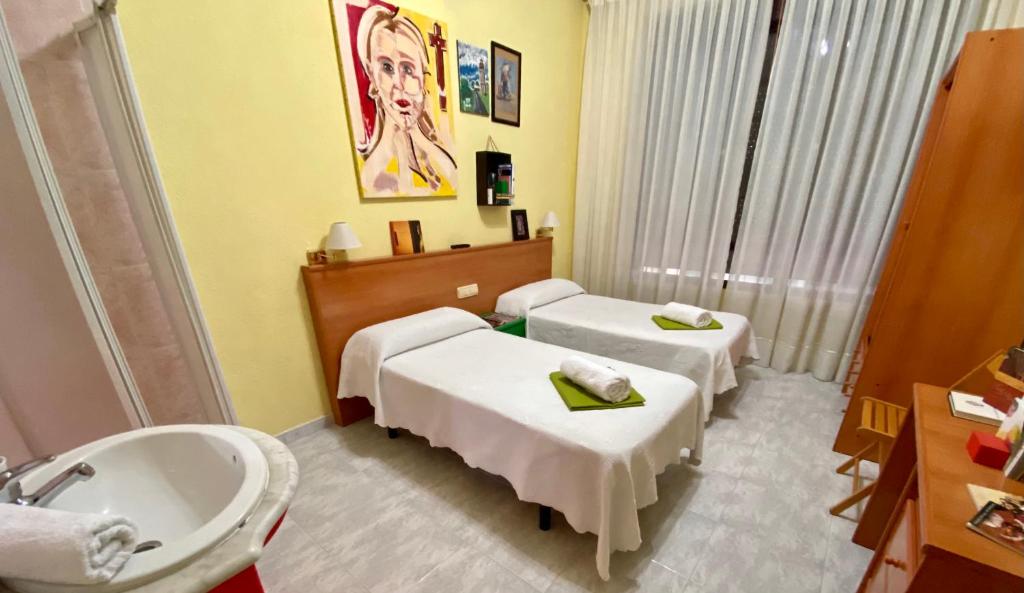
x,y
916,519
953,280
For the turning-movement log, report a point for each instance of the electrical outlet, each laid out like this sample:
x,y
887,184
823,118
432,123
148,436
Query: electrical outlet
x,y
467,291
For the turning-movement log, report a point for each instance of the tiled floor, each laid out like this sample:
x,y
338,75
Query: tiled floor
x,y
394,516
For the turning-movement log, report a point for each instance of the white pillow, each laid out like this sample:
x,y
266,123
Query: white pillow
x,y
368,348
519,301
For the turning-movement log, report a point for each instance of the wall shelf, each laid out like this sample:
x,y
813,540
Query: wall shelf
x,y
487,164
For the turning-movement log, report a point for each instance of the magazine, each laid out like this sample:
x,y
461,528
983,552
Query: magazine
x,y
1001,524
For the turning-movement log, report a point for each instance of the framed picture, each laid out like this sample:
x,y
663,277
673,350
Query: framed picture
x,y
506,84
474,80
520,228
406,237
394,63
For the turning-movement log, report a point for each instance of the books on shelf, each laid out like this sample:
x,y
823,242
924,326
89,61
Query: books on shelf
x,y
973,407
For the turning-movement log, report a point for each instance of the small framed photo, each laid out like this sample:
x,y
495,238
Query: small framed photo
x,y
506,84
520,228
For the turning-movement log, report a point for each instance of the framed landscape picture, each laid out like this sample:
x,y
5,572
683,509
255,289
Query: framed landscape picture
x,y
474,80
506,84
395,63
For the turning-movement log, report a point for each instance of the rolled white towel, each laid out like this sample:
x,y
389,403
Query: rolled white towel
x,y
606,383
687,314
62,547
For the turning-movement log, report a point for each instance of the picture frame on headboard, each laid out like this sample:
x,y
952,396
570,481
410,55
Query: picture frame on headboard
x,y
520,226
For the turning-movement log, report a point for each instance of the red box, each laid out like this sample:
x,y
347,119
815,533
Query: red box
x,y
988,450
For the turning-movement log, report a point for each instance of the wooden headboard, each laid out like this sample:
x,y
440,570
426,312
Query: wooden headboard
x,y
346,297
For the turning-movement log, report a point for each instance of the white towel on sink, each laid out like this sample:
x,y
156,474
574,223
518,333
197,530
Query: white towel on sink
x,y
61,547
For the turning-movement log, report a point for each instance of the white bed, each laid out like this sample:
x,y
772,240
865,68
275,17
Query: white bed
x,y
445,375
560,312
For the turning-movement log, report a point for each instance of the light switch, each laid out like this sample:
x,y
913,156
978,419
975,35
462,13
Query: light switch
x,y
467,291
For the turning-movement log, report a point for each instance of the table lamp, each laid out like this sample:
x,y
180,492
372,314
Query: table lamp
x,y
547,225
341,237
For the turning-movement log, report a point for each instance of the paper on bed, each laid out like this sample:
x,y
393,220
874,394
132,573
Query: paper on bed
x,y
520,300
369,347
488,396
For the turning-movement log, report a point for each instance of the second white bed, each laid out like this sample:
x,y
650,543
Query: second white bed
x,y
560,312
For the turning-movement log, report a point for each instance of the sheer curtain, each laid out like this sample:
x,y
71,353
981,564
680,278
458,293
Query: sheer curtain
x,y
1001,14
851,87
668,94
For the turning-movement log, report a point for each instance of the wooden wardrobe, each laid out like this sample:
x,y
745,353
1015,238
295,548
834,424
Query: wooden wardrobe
x,y
952,289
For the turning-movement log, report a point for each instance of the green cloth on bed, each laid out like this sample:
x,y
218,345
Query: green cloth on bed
x,y
577,399
666,323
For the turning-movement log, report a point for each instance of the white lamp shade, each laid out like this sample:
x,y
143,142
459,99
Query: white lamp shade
x,y
342,237
550,221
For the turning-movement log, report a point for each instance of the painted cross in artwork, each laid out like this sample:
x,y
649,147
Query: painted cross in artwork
x,y
394,65
474,84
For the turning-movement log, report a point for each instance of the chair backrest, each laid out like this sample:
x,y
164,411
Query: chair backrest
x,y
881,418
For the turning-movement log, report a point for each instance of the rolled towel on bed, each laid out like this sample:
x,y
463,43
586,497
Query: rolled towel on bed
x,y
687,314
62,547
606,383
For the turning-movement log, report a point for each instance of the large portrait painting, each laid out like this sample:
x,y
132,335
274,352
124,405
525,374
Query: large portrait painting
x,y
395,63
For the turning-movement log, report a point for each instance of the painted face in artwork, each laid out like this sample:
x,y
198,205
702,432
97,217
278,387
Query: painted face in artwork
x,y
402,152
398,72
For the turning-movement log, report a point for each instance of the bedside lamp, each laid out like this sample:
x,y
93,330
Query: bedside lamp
x,y
340,238
547,225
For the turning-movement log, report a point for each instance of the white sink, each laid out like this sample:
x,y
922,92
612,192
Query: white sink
x,y
189,487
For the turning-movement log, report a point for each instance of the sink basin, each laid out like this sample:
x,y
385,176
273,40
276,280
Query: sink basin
x,y
188,487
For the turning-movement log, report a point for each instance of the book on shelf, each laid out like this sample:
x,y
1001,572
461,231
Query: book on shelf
x,y
1003,525
973,407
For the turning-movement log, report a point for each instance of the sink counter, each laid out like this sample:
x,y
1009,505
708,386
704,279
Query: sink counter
x,y
241,550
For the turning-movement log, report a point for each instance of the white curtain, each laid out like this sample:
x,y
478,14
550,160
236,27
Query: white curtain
x,y
851,87
668,94
1001,14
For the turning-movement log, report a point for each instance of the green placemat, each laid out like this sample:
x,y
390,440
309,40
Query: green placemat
x,y
666,323
576,399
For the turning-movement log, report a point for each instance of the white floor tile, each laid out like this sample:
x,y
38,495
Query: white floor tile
x,y
375,514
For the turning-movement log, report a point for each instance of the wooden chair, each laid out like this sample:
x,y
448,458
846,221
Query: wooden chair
x,y
879,423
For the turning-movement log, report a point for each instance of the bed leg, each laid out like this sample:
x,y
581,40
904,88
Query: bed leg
x,y
545,518
392,433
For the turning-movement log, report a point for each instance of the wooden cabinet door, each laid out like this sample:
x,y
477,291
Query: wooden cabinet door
x,y
876,584
900,559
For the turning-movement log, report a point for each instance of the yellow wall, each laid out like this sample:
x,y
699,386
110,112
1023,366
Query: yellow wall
x,y
244,104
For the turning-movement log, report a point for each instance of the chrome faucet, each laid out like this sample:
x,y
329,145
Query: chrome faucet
x,y
11,491
8,477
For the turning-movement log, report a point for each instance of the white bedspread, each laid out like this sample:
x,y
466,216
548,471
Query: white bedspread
x,y
623,330
487,396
